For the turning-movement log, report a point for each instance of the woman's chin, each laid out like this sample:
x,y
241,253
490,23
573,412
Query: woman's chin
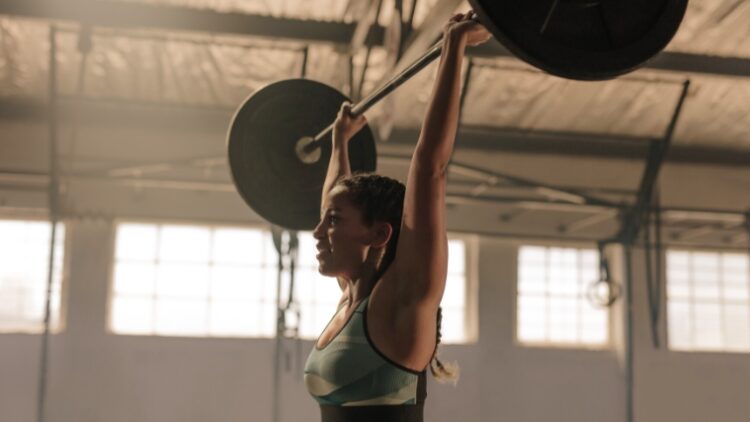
x,y
324,270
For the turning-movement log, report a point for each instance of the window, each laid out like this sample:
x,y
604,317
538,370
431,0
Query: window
x,y
553,308
456,322
318,295
25,248
193,281
222,281
707,301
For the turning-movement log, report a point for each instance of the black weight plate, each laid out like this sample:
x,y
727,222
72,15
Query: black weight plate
x,y
262,138
583,39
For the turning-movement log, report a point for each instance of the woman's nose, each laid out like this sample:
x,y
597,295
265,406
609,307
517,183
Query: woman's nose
x,y
319,231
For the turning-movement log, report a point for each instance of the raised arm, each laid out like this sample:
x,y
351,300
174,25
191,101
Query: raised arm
x,y
344,128
421,257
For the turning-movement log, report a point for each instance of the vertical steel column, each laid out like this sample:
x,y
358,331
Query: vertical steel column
x,y
657,154
279,243
53,206
628,235
629,402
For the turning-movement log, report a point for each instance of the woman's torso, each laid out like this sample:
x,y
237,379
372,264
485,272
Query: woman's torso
x,y
346,369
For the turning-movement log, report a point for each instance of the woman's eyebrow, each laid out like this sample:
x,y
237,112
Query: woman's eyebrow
x,y
329,209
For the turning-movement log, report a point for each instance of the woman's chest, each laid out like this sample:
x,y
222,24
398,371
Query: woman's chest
x,y
334,327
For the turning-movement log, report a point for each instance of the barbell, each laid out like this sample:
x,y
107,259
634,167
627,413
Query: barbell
x,y
279,138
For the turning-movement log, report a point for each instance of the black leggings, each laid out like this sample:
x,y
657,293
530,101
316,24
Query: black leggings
x,y
398,413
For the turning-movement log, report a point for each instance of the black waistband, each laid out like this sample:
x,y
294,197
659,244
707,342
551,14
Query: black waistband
x,y
399,413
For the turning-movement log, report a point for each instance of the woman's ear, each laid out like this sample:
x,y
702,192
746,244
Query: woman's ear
x,y
382,233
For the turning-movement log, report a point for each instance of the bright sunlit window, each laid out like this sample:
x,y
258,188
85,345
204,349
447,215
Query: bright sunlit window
x,y
193,281
553,309
25,248
318,295
708,301
203,281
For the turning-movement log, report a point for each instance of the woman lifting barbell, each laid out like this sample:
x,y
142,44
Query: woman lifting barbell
x,y
386,244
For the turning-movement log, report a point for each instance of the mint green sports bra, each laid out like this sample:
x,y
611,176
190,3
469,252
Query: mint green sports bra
x,y
349,371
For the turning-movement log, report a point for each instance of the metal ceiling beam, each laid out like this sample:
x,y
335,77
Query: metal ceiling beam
x,y
124,113
497,139
671,61
161,17
129,15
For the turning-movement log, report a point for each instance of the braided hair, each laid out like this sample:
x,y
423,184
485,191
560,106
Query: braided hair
x,y
443,372
381,198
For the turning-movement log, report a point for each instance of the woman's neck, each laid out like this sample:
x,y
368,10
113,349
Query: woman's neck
x,y
361,287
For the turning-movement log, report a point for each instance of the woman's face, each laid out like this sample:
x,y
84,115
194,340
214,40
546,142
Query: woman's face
x,y
343,239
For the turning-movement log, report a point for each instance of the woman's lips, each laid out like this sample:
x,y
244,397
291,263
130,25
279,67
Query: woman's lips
x,y
321,252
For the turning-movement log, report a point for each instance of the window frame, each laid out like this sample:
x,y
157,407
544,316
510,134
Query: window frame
x,y
64,273
664,320
471,287
471,268
112,244
604,347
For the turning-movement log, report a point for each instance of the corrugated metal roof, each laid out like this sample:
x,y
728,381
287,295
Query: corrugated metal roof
x,y
219,71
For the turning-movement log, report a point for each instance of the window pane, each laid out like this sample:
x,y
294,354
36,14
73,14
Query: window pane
x,y
708,301
680,325
184,244
705,283
133,278
532,318
563,321
737,327
318,295
265,326
237,283
552,285
222,281
594,325
307,251
707,324
533,254
193,281
25,248
679,285
233,318
182,281
455,294
132,315
176,317
451,327
136,242
456,257
235,246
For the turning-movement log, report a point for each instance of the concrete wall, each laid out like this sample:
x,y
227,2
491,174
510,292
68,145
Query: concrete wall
x,y
95,376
